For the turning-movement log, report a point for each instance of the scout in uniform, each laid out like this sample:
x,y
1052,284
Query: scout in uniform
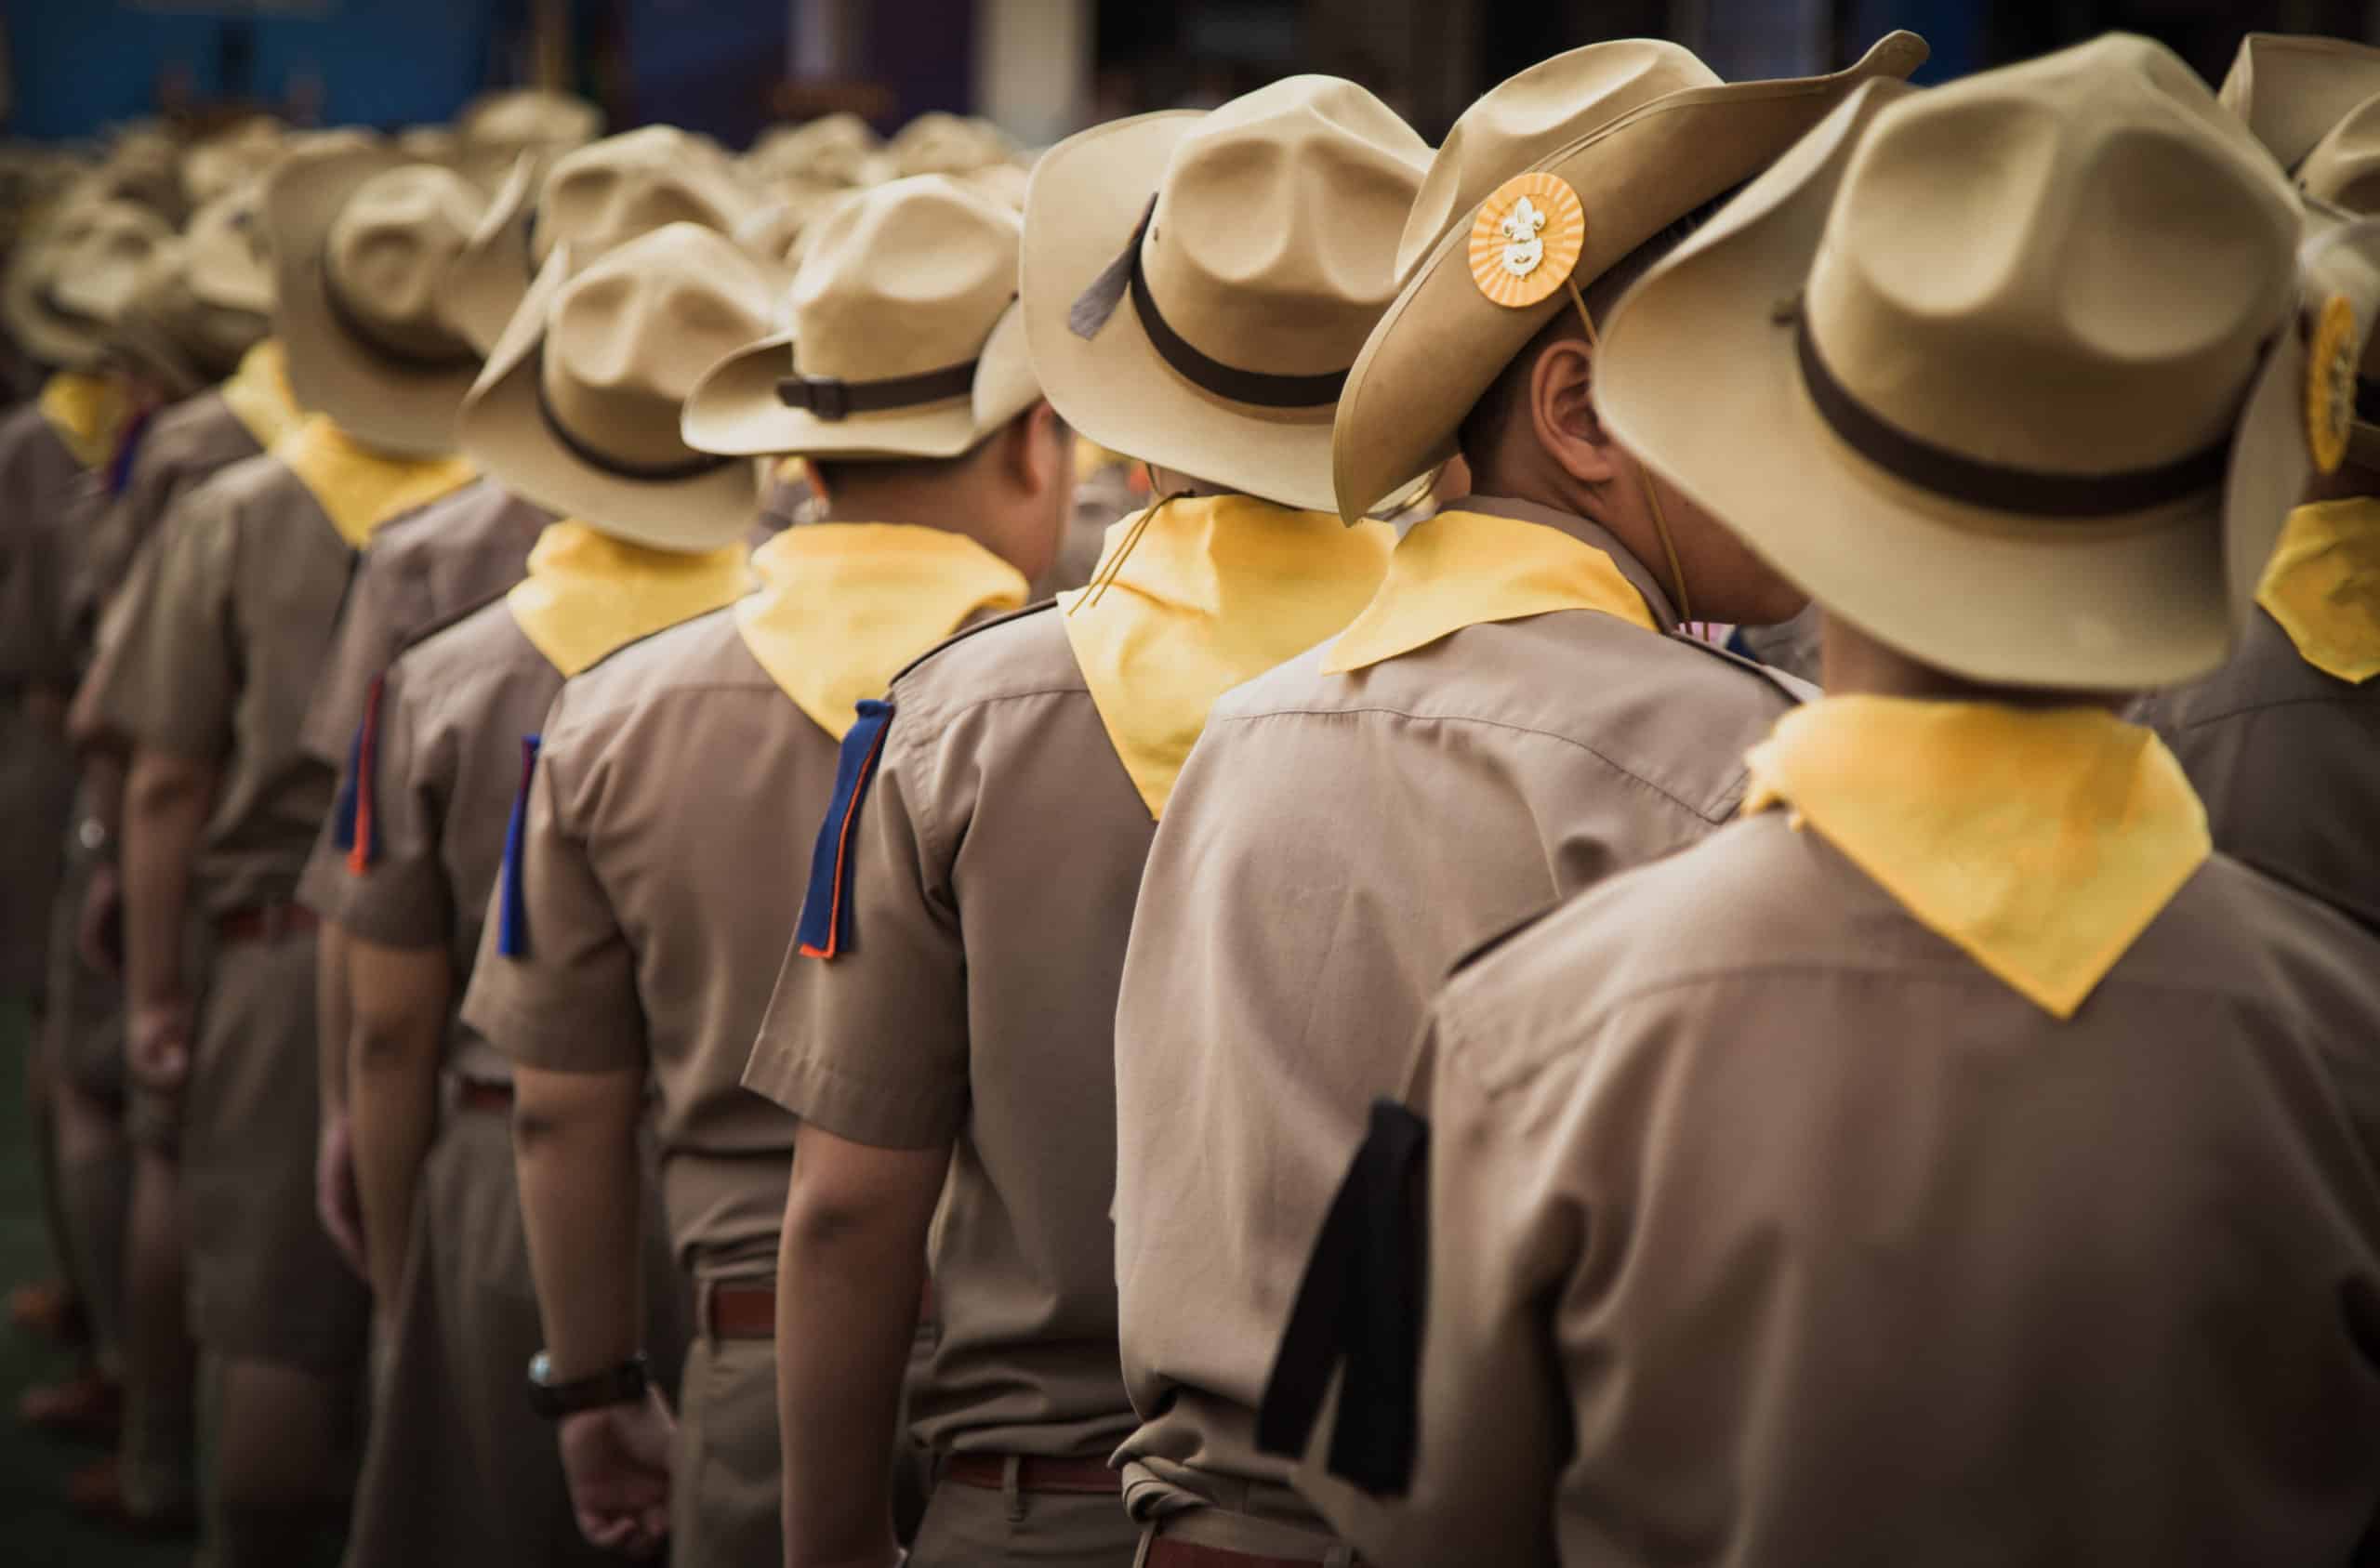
x,y
650,540
637,937
2282,742
1956,1157
1519,680
221,641
952,1001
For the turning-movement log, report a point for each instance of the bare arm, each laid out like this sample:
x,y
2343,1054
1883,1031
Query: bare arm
x,y
575,1142
334,1017
402,997
166,799
850,1269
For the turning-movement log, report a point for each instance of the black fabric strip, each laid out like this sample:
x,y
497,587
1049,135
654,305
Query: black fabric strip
x,y
1361,1301
405,360
698,467
1998,486
1257,389
831,400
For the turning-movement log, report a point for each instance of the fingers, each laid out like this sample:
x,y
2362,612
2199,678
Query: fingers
x,y
335,1202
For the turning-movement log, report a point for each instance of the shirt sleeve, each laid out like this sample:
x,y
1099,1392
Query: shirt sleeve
x,y
399,897
385,606
564,998
872,1045
173,678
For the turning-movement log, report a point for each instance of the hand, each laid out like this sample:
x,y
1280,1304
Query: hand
x,y
335,1197
156,1043
617,1461
98,930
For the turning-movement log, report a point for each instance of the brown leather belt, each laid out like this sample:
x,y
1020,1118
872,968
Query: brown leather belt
x,y
1167,1552
265,922
477,1094
989,1472
743,1312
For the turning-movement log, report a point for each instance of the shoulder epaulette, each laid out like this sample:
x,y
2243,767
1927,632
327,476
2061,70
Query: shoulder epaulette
x,y
955,638
451,619
1793,687
657,632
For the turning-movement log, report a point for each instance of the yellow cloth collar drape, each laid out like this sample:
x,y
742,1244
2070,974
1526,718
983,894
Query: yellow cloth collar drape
x,y
2041,843
2324,586
843,607
1460,568
587,595
88,412
1217,590
360,489
258,396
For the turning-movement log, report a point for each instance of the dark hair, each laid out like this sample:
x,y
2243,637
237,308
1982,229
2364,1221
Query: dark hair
x,y
835,472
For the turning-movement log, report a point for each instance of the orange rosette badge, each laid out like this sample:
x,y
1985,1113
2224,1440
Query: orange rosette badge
x,y
2329,383
1527,238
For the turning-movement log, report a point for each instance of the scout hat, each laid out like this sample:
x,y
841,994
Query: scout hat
x,y
522,118
578,408
1196,284
72,276
231,158
2005,372
229,261
830,150
940,143
903,340
363,245
177,337
1608,145
2290,89
596,197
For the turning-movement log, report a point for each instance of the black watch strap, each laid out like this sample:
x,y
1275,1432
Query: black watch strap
x,y
619,1385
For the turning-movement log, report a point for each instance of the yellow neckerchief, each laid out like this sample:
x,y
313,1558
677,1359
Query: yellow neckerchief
x,y
2041,843
588,594
360,489
88,412
1195,595
258,394
2324,586
1461,568
843,607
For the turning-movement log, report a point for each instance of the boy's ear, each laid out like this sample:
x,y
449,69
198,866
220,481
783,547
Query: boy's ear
x,y
1561,412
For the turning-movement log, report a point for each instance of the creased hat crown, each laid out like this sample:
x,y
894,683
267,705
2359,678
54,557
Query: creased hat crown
x,y
389,250
903,279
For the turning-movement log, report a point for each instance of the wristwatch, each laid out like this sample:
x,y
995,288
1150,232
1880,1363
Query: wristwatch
x,y
623,1384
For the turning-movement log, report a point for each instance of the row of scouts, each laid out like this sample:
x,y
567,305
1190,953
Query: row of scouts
x,y
1334,1040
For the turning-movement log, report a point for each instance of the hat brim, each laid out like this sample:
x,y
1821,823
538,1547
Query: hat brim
x,y
1698,376
1085,199
1443,343
505,429
404,410
50,337
734,410
490,279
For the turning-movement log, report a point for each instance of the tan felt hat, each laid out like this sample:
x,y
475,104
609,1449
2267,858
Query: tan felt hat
x,y
1639,133
229,261
2290,89
518,118
231,158
72,277
144,165
592,199
832,149
180,339
2006,373
364,247
903,339
578,408
936,142
1195,285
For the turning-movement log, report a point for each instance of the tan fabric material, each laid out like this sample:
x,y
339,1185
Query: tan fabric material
x,y
265,1283
996,862
1810,1208
2287,760
36,476
977,1527
654,932
727,1481
1336,843
181,446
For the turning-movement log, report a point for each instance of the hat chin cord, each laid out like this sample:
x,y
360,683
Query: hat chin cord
x,y
1644,479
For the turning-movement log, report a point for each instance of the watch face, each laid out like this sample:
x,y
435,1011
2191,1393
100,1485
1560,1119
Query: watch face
x,y
541,1369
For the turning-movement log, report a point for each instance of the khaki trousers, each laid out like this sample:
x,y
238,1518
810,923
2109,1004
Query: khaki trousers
x,y
971,1526
726,1486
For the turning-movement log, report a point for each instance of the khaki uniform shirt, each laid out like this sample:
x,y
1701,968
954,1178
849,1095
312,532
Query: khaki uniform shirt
x,y
665,846
37,475
221,644
455,709
1766,1227
1335,844
995,862
182,445
2287,760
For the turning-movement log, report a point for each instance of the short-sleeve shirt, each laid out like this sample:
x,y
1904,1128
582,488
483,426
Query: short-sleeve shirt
x,y
180,446
454,711
36,474
994,866
1767,1227
666,845
220,645
1335,842
2287,758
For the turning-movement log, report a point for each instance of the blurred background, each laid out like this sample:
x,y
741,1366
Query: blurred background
x,y
1039,67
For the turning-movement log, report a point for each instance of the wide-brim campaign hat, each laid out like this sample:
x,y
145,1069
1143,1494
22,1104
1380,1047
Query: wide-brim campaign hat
x,y
229,258
831,151
2344,168
72,276
940,142
183,342
1195,285
903,336
498,127
578,409
231,158
363,245
2290,89
2006,373
1610,144
591,198
2340,262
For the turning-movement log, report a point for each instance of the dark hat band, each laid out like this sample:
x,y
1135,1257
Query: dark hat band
x,y
825,398
701,466
395,357
1998,486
